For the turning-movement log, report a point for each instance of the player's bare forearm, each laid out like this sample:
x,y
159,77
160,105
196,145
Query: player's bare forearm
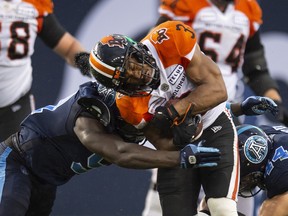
x,y
116,151
139,157
273,94
158,139
276,206
210,88
68,47
236,109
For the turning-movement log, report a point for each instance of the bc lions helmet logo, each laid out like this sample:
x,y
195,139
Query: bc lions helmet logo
x,y
114,40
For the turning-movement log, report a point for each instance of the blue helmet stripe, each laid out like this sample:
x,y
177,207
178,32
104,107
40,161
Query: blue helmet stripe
x,y
241,130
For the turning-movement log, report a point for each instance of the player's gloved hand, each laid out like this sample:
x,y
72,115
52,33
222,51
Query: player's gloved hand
x,y
256,105
82,63
188,129
193,156
282,115
164,117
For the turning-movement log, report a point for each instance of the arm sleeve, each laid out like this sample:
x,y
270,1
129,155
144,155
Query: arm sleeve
x,y
255,68
52,31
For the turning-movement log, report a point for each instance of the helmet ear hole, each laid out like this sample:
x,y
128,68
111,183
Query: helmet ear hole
x,y
254,146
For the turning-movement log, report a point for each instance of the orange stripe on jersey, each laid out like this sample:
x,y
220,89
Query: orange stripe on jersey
x,y
237,158
252,10
235,191
133,110
173,41
43,6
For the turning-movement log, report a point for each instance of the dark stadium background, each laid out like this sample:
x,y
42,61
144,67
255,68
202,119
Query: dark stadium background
x,y
113,191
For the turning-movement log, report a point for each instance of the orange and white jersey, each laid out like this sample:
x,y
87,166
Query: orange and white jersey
x,y
20,22
172,45
221,36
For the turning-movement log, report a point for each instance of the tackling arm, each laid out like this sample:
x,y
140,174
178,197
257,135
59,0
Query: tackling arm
x,y
191,156
93,136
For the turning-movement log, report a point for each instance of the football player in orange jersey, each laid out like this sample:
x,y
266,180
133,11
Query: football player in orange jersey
x,y
228,32
21,22
167,64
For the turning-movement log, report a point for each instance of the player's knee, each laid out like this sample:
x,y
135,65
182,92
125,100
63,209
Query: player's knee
x,y
222,207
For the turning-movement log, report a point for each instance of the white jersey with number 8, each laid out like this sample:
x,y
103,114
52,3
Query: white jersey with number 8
x,y
19,24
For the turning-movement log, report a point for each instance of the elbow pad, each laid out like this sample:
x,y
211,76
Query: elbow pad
x,y
256,72
254,61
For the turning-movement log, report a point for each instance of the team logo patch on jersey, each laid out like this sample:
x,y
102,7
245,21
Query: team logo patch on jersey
x,y
159,36
256,149
164,87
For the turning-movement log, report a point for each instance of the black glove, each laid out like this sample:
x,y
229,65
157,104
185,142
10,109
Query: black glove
x,y
192,156
256,105
82,63
188,129
164,118
282,115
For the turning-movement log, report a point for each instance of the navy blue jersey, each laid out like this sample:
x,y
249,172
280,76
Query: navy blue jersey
x,y
276,173
56,154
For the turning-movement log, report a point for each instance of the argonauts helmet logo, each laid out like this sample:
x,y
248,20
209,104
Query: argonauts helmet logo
x,y
256,149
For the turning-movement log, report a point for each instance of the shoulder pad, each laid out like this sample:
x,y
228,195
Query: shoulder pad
x,y
98,109
98,91
252,9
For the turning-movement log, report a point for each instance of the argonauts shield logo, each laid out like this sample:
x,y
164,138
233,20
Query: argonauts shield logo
x,y
256,149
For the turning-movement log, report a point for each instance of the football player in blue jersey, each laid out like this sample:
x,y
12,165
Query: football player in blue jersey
x,y
81,132
264,154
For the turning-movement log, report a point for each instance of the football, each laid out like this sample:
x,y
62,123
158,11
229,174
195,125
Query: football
x,y
199,129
